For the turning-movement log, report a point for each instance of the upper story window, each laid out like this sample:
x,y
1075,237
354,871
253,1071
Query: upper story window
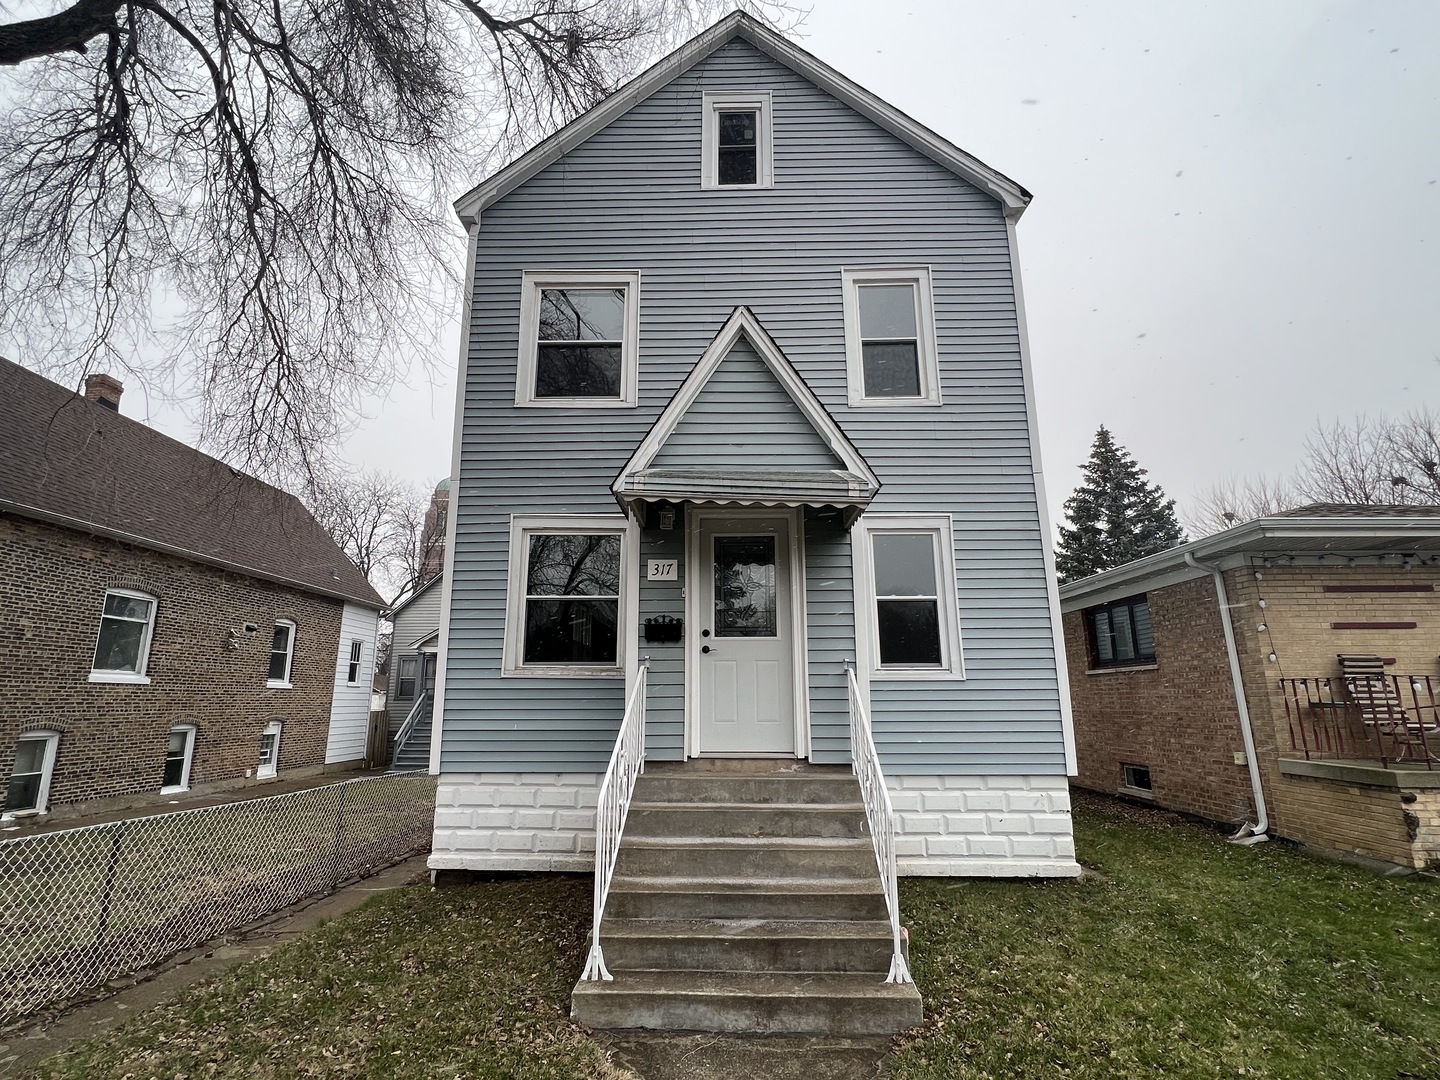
x,y
566,585
1120,633
122,648
29,788
352,672
890,351
282,655
736,140
907,575
579,338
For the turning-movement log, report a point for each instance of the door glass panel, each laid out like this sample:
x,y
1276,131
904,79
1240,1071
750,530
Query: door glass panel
x,y
745,586
904,564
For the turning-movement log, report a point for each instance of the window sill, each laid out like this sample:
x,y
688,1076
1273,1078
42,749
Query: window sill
x,y
894,403
276,684
129,677
174,790
563,673
913,674
1121,670
738,187
574,403
1136,793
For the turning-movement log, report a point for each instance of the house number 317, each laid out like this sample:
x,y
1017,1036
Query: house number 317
x,y
661,570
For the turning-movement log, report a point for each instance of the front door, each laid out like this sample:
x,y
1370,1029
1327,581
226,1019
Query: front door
x,y
745,656
427,677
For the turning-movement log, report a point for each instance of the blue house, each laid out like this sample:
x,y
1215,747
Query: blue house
x,y
747,494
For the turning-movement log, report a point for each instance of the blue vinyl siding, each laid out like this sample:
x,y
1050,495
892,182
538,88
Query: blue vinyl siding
x,y
846,194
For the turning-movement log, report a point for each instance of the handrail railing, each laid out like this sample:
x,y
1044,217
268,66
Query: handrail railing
x,y
627,762
880,815
411,720
1393,719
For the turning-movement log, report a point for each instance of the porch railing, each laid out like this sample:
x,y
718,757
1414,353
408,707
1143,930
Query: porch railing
x,y
416,711
1391,719
880,815
627,762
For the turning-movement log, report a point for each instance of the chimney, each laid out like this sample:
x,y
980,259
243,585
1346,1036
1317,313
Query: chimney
x,y
104,390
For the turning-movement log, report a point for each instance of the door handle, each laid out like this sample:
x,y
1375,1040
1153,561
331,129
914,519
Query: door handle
x,y
705,648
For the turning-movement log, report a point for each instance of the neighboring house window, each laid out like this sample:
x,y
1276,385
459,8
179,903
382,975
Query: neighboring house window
x,y
890,350
282,654
352,674
269,750
907,575
567,580
178,755
579,338
405,687
122,649
1137,778
737,141
29,789
1120,633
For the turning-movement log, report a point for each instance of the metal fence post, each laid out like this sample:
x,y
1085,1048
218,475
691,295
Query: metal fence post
x,y
339,835
108,891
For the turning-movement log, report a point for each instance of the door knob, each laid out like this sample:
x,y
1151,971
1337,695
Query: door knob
x,y
704,648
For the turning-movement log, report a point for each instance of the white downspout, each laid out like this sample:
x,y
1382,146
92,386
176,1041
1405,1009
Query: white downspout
x,y
1248,834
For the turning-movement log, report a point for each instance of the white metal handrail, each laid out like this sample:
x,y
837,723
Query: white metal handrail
x,y
410,721
881,817
627,762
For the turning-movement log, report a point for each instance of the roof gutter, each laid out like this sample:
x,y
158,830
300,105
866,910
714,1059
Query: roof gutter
x,y
1247,834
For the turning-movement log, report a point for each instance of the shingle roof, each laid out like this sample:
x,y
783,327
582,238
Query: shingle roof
x,y
1334,510
73,462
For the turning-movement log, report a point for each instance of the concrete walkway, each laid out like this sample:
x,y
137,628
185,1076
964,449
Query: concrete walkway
x,y
50,1034
656,1056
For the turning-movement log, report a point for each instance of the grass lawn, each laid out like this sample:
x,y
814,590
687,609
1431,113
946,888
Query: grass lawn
x,y
1179,956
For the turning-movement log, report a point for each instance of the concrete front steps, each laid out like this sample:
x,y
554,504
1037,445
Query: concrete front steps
x,y
746,899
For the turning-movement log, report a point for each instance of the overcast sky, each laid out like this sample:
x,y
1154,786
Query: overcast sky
x,y
1234,230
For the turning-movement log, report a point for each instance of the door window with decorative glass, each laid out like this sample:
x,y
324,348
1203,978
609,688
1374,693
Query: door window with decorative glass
x,y
745,586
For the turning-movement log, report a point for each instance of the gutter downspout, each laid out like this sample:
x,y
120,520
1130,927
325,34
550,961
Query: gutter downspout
x,y
1248,834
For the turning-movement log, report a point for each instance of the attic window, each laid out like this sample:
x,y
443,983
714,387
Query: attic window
x,y
736,139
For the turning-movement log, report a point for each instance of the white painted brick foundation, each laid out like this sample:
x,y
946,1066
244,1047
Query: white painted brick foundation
x,y
947,826
515,821
983,826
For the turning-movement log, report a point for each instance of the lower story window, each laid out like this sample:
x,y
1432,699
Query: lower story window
x,y
1121,633
908,566
565,597
405,683
269,750
29,788
1137,777
178,755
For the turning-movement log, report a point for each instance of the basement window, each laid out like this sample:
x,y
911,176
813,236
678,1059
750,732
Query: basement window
x,y
1137,778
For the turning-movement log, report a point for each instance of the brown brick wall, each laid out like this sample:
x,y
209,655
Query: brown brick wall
x,y
114,736
1178,720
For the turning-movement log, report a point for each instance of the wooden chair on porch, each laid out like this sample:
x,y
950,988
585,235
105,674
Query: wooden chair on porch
x,y
1377,698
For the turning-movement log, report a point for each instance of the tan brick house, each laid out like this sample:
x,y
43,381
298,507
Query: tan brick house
x,y
1267,729
168,625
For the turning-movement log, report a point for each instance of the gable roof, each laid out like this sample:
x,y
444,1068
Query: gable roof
x,y
1319,529
70,462
1011,196
421,591
852,485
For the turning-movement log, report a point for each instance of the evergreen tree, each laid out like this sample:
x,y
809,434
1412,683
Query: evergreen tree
x,y
1115,515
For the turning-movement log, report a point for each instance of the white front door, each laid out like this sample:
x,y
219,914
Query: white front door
x,y
743,645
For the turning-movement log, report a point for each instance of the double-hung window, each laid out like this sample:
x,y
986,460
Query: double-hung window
x,y
269,750
568,582
579,338
122,649
179,753
890,350
405,680
352,670
282,655
1120,633
29,789
736,140
906,568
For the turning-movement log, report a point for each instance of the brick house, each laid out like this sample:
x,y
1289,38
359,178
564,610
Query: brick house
x,y
1276,733
168,625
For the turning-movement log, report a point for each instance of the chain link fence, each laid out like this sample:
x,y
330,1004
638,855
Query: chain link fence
x,y
80,906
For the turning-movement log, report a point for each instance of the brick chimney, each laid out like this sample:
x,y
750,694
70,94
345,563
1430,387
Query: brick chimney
x,y
104,390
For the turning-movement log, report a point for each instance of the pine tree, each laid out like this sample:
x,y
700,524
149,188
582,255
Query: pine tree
x,y
1115,515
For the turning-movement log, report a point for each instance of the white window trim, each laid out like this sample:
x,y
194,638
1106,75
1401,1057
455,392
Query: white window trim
x,y
184,784
851,278
531,283
357,651
716,102
138,676
522,527
867,631
285,683
47,771
267,772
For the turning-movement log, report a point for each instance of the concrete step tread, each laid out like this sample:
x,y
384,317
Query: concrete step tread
x,y
765,886
860,929
863,985
804,843
763,807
